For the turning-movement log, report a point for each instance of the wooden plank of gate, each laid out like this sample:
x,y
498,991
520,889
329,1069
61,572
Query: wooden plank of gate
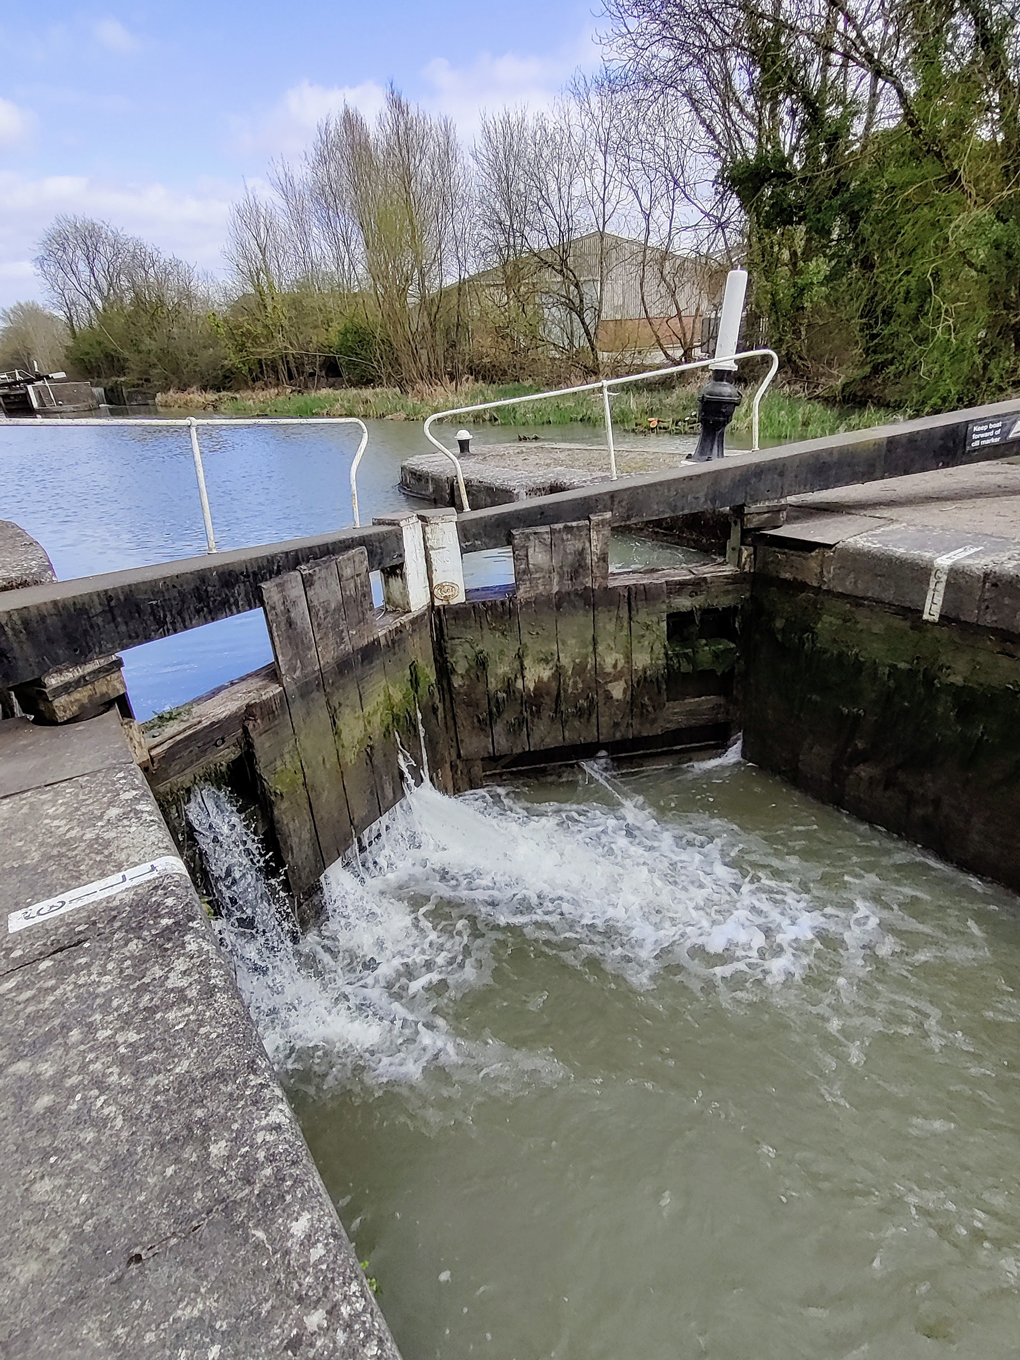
x,y
354,738
467,665
501,636
611,607
429,692
363,630
600,529
440,658
395,638
278,765
356,589
611,633
297,664
533,572
340,686
648,655
575,631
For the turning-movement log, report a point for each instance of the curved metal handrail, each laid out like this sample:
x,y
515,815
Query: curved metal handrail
x,y
191,423
604,385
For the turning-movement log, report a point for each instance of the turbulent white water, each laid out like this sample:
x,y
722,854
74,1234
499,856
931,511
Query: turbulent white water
x,y
421,916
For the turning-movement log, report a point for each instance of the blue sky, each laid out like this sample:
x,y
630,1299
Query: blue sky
x,y
151,116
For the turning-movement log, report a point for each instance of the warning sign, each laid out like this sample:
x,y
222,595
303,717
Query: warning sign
x,y
983,434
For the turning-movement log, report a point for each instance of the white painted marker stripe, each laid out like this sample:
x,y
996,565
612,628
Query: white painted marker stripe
x,y
937,584
94,892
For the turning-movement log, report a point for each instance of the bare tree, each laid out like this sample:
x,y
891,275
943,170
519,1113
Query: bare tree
x,y
31,337
375,221
339,145
410,192
508,292
548,193
257,245
688,235
87,265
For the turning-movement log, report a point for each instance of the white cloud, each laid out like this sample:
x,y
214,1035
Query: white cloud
x,y
14,123
461,92
17,269
287,128
190,223
112,34
489,82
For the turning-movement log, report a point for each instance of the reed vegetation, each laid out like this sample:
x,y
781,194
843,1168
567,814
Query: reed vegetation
x,y
785,416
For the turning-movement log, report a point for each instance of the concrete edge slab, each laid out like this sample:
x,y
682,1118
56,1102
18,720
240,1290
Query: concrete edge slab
x,y
33,755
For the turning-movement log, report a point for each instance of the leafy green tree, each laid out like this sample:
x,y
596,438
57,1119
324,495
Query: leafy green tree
x,y
873,148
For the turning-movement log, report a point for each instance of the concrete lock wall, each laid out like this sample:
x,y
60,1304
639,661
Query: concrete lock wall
x,y
859,691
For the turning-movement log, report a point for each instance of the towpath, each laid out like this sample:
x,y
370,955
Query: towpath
x,y
157,1197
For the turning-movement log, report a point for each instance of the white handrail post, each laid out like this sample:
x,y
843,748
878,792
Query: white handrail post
x,y
203,495
354,470
427,430
609,430
762,389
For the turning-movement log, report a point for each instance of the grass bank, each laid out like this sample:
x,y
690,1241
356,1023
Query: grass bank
x,y
784,416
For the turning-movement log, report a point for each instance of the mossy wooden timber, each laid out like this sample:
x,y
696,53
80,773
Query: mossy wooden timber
x,y
360,688
575,660
913,725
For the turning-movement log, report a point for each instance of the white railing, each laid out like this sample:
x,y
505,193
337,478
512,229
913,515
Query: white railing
x,y
725,361
192,423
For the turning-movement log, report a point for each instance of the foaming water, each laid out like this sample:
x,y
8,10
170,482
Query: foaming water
x,y
672,1063
355,1000
420,917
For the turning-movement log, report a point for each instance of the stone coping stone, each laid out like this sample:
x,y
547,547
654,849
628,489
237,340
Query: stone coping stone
x,y
158,1198
499,474
979,497
23,562
893,565
823,530
34,755
432,477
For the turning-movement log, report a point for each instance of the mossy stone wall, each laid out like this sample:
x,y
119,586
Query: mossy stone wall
x,y
911,725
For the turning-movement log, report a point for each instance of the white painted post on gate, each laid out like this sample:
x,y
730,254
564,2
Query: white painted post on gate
x,y
442,556
406,586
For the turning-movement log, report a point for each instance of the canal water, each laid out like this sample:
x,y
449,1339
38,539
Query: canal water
x,y
663,1065
108,498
